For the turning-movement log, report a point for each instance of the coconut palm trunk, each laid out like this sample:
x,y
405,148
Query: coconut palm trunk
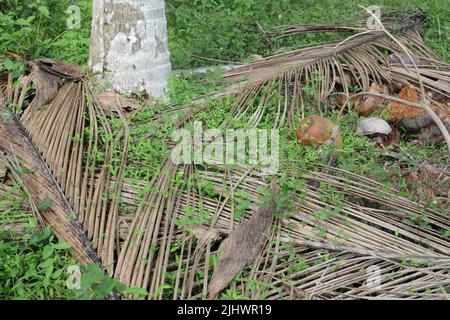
x,y
128,48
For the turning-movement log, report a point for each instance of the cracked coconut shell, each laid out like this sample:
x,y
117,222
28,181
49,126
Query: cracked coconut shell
x,y
315,131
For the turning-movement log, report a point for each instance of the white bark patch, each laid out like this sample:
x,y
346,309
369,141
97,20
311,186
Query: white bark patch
x,y
129,45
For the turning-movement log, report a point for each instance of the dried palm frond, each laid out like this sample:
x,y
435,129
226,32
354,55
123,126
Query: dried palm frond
x,y
393,20
72,136
136,256
313,252
39,182
329,69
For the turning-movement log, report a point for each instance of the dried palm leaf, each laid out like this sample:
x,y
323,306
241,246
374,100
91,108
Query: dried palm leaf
x,y
333,257
328,68
241,247
72,136
39,182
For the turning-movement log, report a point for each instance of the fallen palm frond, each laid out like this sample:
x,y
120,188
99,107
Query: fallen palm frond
x,y
136,257
334,264
331,68
315,251
39,182
356,22
74,139
391,232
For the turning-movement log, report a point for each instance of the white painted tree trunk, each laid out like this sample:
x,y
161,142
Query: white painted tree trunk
x,y
128,47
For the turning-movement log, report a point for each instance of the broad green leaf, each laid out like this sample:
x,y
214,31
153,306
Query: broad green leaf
x,y
137,291
62,246
44,10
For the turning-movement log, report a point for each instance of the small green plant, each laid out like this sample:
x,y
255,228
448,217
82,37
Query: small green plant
x,y
231,294
96,285
32,266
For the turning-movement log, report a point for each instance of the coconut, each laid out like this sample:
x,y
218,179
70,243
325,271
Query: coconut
x,y
315,131
366,106
379,131
411,119
373,126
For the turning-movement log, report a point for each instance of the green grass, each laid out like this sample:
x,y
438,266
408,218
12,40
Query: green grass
x,y
38,28
227,30
214,29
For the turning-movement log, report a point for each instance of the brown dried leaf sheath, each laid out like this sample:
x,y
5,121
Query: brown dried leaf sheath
x,y
241,248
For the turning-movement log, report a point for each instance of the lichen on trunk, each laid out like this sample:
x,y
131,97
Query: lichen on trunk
x,y
128,48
